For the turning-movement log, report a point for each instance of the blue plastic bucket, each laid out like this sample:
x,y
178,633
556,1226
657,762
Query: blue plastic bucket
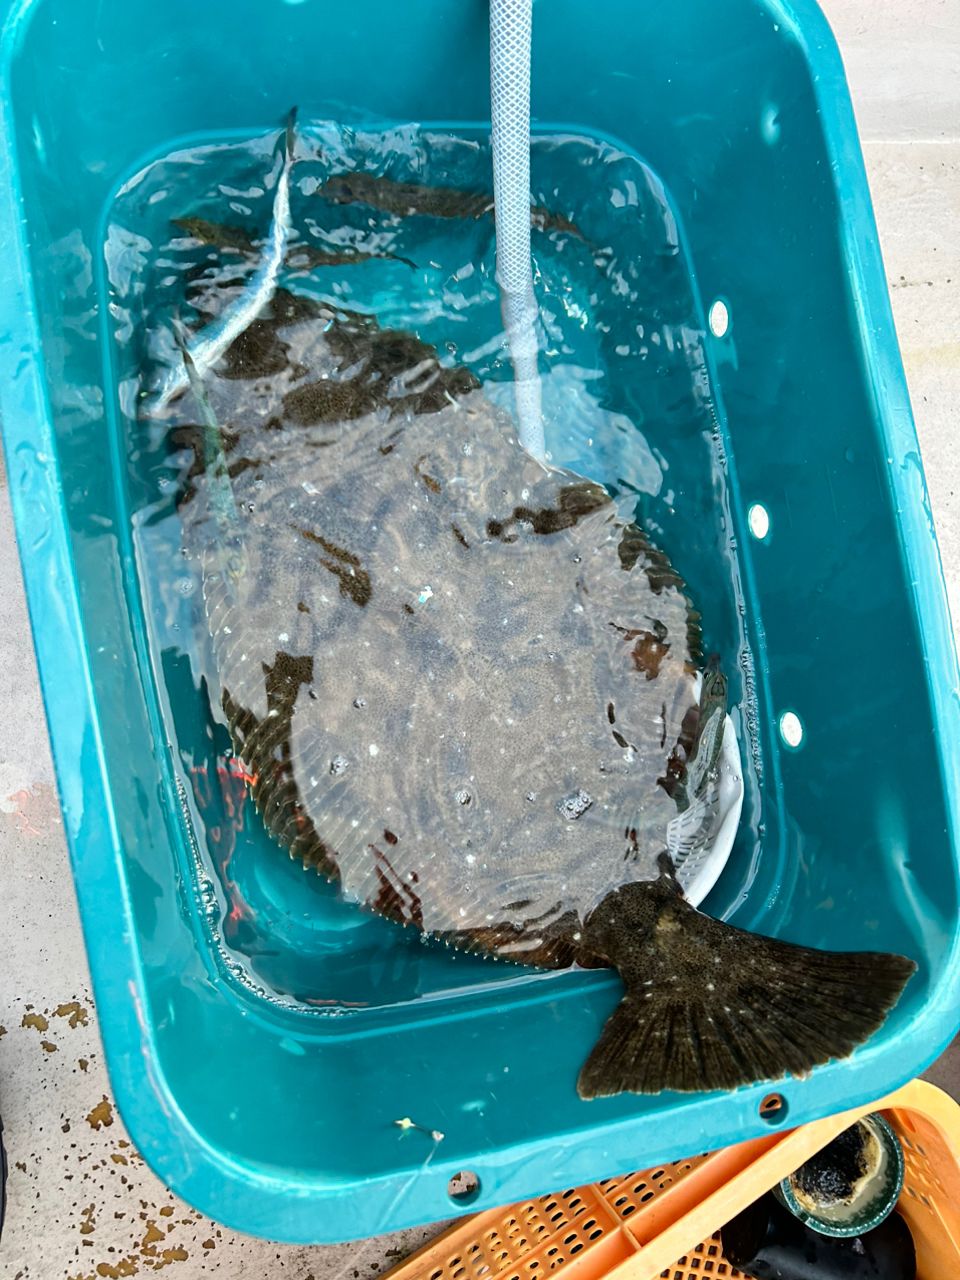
x,y
287,1126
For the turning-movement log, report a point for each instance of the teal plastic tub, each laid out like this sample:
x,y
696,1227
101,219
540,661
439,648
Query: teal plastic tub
x,y
285,1124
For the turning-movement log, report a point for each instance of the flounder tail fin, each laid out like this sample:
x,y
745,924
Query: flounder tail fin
x,y
708,1006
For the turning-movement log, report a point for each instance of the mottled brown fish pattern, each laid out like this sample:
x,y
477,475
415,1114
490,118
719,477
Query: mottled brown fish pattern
x,y
410,199
466,691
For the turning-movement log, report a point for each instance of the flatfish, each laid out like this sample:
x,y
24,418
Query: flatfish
x,y
472,695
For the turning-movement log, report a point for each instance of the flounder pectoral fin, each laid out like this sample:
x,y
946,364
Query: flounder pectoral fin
x,y
708,1006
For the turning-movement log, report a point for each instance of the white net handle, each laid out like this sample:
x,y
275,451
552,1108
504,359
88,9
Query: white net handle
x,y
511,23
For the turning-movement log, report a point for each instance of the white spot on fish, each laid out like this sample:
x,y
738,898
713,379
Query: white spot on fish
x,y
374,749
575,805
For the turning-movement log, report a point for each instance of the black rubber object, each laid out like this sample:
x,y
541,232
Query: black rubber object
x,y
767,1242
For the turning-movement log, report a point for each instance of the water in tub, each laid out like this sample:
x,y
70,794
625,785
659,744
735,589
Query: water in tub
x,y
380,308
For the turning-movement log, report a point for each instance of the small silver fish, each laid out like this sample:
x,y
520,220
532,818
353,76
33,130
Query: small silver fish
x,y
207,346
221,500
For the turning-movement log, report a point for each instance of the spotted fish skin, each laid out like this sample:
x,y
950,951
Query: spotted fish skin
x,y
411,199
216,234
301,254
465,688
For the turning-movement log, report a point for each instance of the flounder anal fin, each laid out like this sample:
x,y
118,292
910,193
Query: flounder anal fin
x,y
539,946
708,1006
264,744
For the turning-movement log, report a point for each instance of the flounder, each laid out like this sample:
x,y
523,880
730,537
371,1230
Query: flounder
x,y
468,692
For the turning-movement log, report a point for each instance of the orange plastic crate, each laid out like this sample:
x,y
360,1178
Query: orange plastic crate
x,y
647,1225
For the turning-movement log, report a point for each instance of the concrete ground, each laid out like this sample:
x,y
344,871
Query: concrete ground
x,y
83,1204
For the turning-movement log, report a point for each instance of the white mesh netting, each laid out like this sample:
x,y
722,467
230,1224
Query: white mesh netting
x,y
510,31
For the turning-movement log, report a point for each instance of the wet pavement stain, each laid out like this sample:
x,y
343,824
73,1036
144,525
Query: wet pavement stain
x,y
101,1115
33,810
74,1011
152,1236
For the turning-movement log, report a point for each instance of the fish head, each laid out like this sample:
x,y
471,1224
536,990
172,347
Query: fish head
x,y
714,689
197,228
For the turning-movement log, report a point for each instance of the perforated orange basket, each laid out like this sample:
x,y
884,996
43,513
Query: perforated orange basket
x,y
665,1222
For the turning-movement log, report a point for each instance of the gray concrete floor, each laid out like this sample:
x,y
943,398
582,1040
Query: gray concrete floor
x,y
83,1204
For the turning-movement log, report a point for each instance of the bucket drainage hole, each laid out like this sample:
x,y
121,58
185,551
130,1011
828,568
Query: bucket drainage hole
x,y
758,519
719,318
791,730
773,1108
463,1187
